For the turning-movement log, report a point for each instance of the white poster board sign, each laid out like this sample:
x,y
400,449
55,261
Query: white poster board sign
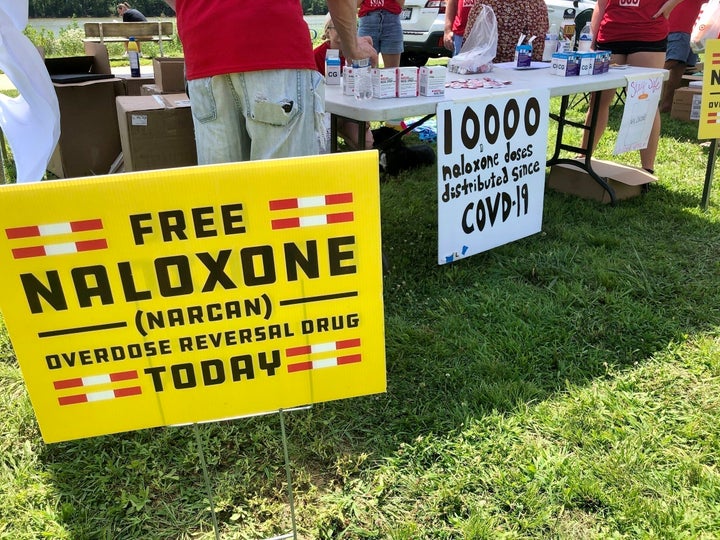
x,y
641,103
491,171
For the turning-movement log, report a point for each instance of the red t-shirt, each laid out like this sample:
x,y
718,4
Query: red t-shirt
x,y
227,36
631,20
374,5
319,53
461,17
682,17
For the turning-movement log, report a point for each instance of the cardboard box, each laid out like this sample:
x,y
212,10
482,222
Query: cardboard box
x,y
133,85
169,74
89,138
626,181
156,132
686,103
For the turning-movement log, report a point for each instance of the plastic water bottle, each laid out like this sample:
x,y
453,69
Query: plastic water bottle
x,y
134,57
585,41
551,43
363,79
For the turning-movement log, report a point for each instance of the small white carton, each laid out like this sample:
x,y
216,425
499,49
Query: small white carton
x,y
348,81
407,81
384,82
432,80
565,64
587,62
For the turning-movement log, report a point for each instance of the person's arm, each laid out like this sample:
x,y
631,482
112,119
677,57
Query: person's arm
x,y
450,13
597,16
344,16
666,8
401,2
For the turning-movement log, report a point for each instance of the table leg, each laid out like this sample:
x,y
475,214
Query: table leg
x,y
333,133
586,164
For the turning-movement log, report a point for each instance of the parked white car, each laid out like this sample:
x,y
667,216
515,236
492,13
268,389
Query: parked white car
x,y
423,23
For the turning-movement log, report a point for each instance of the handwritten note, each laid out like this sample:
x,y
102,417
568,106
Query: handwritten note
x,y
641,103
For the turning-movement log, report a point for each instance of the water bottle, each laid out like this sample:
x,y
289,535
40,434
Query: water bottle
x,y
585,41
363,79
551,43
134,57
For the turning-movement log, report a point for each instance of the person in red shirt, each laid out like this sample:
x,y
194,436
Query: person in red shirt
x,y
635,32
679,55
456,16
254,89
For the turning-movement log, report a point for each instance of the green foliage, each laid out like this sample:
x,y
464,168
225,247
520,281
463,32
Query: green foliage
x,y
59,9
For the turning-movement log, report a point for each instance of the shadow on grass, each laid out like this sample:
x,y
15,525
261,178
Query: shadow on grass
x,y
600,289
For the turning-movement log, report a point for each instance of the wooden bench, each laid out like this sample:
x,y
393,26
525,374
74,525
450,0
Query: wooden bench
x,y
108,32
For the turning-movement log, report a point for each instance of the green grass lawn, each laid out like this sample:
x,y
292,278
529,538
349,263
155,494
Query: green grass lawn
x,y
564,386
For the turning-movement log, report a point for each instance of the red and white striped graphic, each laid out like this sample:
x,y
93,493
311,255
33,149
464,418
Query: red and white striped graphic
x,y
54,229
311,202
312,221
94,380
100,396
715,60
323,348
713,118
59,249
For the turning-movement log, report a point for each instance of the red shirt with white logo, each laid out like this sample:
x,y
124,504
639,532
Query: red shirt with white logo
x,y
374,5
632,20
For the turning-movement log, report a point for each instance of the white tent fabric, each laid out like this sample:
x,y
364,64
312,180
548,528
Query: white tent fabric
x,y
31,121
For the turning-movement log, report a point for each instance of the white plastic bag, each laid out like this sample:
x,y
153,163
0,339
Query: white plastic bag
x,y
480,47
707,25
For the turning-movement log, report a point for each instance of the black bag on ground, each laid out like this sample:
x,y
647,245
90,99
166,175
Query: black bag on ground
x,y
395,155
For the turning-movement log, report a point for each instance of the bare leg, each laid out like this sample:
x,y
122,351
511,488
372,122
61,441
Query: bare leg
x,y
606,99
676,69
651,60
391,60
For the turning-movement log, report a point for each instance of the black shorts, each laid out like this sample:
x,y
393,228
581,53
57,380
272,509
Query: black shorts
x,y
630,47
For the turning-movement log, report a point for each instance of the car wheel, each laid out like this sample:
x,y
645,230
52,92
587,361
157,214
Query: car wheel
x,y
413,59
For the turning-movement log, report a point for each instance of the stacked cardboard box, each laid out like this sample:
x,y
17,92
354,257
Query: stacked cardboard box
x,y
156,132
686,103
89,139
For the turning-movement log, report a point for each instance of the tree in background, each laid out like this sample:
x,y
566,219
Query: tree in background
x,y
61,9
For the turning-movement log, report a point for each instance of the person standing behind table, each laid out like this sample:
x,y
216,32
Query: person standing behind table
x,y
636,34
347,129
456,16
129,14
528,17
380,20
679,55
254,90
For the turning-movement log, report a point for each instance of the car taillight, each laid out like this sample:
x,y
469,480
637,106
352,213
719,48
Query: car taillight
x,y
439,4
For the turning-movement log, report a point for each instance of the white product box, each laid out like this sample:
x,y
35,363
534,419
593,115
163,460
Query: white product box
x,y
348,80
432,80
587,62
407,81
565,64
384,82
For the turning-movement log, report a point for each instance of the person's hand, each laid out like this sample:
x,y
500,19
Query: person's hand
x,y
448,40
364,49
665,9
